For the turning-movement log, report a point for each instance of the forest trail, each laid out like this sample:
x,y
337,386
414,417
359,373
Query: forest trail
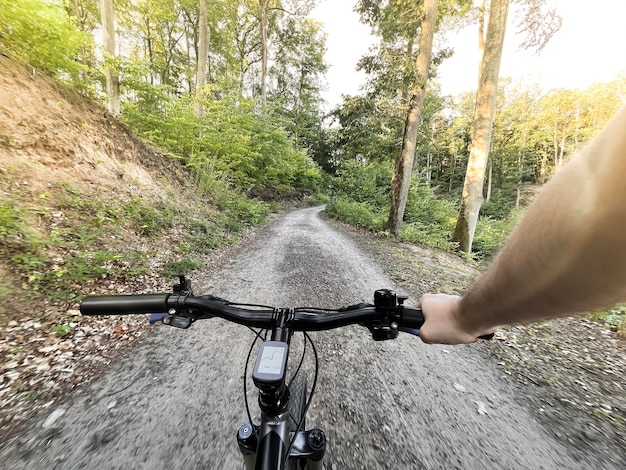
x,y
177,400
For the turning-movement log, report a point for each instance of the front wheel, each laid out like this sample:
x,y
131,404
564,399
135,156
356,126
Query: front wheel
x,y
297,400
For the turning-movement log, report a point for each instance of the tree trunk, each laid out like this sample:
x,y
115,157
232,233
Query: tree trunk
x,y
112,79
483,124
203,49
150,52
264,7
453,171
520,172
489,182
404,163
481,36
561,153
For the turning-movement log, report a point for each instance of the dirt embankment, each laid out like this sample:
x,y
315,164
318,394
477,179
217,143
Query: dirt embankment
x,y
69,174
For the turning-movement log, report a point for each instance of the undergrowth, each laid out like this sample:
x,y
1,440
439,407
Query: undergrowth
x,y
75,238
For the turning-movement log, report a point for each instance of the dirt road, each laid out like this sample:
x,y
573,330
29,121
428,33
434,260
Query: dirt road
x,y
176,401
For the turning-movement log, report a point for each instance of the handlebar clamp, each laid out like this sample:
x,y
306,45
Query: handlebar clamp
x,y
389,304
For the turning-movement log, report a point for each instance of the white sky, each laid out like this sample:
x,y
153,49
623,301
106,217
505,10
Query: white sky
x,y
590,47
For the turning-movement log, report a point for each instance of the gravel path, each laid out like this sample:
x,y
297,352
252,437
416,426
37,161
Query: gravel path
x,y
176,402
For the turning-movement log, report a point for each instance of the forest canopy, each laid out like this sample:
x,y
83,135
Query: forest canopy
x,y
234,90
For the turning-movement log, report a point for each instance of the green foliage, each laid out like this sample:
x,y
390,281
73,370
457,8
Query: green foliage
x,y
428,219
41,33
613,319
318,199
426,234
149,217
61,330
230,141
181,267
423,206
364,182
15,234
491,233
5,289
56,278
499,206
360,214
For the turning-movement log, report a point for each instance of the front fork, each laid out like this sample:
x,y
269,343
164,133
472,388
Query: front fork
x,y
309,446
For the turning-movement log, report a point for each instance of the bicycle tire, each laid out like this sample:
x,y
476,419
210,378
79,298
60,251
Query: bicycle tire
x,y
297,400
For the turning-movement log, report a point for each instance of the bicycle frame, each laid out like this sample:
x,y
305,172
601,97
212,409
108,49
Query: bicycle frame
x,y
265,447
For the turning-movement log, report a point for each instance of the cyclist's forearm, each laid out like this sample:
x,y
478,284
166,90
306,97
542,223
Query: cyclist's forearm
x,y
568,254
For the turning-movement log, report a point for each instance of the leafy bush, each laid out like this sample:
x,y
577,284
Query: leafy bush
x,y
230,142
246,210
499,205
41,33
429,235
428,219
424,207
364,182
318,199
360,214
491,234
14,231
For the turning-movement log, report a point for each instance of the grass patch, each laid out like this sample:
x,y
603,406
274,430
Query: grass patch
x,y
149,219
15,234
5,289
613,319
183,266
61,330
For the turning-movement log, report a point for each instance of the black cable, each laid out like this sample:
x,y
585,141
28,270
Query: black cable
x,y
308,403
236,304
316,309
245,374
298,368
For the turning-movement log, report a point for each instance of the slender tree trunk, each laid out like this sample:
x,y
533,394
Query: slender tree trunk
x,y
150,52
483,124
481,36
404,99
453,172
489,182
555,144
520,171
404,163
112,79
264,6
203,49
561,153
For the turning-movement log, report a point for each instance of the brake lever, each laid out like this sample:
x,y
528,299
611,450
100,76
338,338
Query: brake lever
x,y
157,317
177,321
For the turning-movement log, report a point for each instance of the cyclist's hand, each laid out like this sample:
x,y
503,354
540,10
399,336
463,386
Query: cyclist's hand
x,y
442,325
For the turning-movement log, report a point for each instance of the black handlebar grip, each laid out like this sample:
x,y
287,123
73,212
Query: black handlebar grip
x,y
412,318
124,304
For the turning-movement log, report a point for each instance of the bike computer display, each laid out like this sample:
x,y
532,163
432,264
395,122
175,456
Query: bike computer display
x,y
271,363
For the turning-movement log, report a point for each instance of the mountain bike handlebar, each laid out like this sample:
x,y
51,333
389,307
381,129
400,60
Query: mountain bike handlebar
x,y
202,307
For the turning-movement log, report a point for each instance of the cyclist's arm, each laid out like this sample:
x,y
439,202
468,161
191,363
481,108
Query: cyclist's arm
x,y
568,254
